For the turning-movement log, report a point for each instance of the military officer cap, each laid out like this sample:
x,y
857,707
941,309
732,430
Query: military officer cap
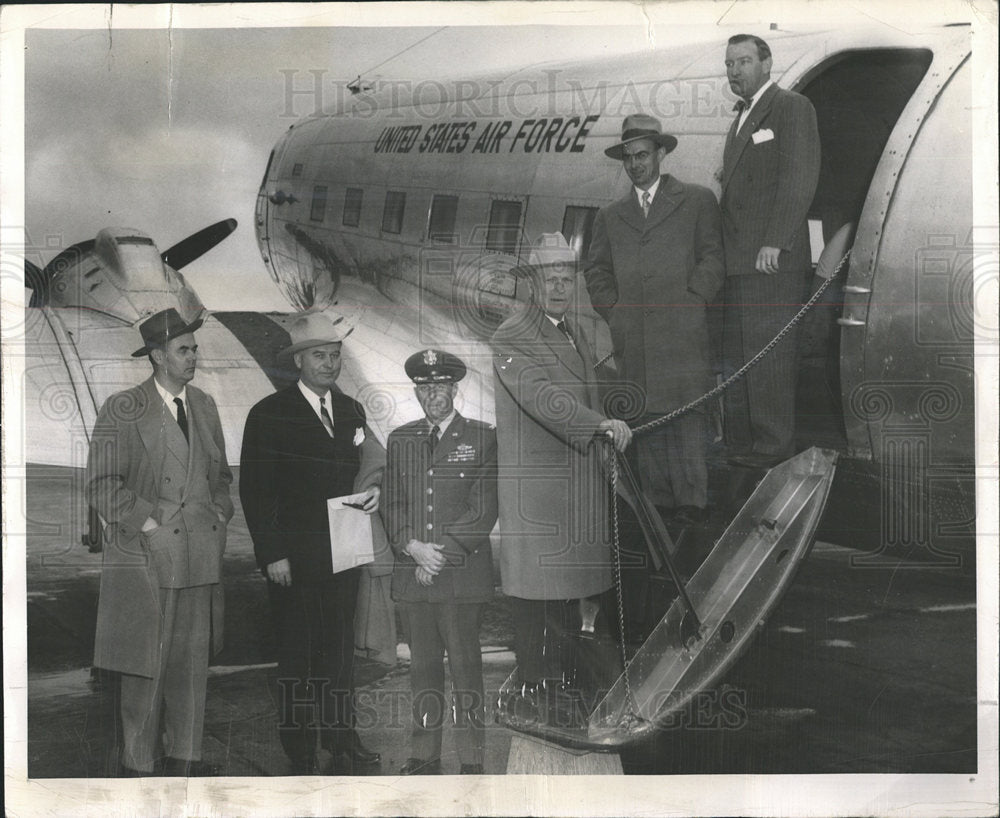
x,y
434,366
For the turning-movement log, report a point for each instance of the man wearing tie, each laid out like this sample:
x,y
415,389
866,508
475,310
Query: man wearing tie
x,y
655,261
440,504
158,476
555,558
769,175
301,446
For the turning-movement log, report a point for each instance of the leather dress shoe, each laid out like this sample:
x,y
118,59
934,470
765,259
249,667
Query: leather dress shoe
x,y
755,460
183,768
419,766
355,752
472,769
124,771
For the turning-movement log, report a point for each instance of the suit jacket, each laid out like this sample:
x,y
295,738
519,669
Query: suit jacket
x,y
553,491
448,497
650,278
141,466
289,467
769,184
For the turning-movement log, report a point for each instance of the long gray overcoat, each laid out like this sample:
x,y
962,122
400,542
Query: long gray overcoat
x,y
140,466
553,492
650,279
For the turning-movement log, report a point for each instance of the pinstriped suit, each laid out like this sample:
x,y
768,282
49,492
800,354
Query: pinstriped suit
x,y
768,183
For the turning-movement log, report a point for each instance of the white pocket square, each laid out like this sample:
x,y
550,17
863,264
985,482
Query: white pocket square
x,y
359,436
763,135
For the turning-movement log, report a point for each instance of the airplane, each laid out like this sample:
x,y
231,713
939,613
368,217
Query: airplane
x,y
411,224
432,194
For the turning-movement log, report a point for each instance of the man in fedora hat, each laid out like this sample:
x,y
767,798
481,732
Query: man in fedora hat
x,y
302,446
655,261
440,505
553,490
158,476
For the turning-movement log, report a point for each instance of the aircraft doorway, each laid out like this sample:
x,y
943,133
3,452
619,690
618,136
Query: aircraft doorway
x,y
858,97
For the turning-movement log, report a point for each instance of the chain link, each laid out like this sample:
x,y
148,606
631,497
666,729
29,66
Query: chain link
x,y
616,545
720,388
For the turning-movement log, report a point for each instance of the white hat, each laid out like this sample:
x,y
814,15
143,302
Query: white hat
x,y
551,248
313,329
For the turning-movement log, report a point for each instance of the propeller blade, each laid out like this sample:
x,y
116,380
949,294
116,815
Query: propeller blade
x,y
187,250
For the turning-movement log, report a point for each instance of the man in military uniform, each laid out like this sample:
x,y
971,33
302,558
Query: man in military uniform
x,y
440,504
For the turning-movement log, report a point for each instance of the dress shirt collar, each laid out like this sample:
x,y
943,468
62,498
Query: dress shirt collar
x,y
753,101
652,192
169,399
313,399
443,425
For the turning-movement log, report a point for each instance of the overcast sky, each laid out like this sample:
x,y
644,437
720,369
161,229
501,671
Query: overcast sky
x,y
168,129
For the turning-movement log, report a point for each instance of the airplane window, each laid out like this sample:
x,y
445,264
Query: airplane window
x,y
441,222
296,169
392,215
318,209
577,228
505,221
352,206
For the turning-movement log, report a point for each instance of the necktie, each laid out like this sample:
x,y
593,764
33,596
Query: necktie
x,y
325,416
182,420
645,203
435,437
561,326
739,107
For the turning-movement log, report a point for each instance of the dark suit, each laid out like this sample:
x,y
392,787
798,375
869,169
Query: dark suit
x,y
554,492
159,616
446,496
650,277
768,183
289,467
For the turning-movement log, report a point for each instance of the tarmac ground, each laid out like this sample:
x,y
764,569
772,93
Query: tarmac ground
x,y
860,669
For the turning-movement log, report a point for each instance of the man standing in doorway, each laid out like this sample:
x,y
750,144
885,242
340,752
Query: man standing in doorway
x,y
655,262
769,176
302,446
158,476
440,503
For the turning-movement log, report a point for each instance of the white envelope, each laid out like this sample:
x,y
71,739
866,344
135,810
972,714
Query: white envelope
x,y
763,135
351,541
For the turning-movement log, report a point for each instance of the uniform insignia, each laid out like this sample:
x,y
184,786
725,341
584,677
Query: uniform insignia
x,y
430,357
463,453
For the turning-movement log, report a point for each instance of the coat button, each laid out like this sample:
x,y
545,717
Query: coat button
x,y
215,528
177,531
430,491
430,526
167,479
461,474
182,505
430,508
430,472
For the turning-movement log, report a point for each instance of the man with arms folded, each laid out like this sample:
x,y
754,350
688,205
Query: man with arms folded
x,y
302,446
158,475
440,504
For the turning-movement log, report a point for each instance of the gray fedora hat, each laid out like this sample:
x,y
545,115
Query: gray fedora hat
x,y
641,126
313,329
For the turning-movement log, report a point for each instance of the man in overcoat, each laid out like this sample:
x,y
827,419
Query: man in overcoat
x,y
301,446
158,476
655,261
553,484
440,503
769,175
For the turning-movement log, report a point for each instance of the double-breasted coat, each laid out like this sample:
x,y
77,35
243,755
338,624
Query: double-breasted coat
x,y
141,466
553,490
449,497
650,279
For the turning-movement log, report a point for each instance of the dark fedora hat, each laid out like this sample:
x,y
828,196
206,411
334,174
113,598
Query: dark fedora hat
x,y
641,126
161,327
434,366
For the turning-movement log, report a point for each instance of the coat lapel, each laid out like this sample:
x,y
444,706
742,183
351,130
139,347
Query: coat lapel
x,y
158,429
740,139
669,196
628,210
562,348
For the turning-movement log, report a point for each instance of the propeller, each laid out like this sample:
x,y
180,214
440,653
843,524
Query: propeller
x,y
197,244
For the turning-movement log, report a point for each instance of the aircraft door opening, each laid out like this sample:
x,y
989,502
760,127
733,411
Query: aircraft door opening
x,y
858,97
